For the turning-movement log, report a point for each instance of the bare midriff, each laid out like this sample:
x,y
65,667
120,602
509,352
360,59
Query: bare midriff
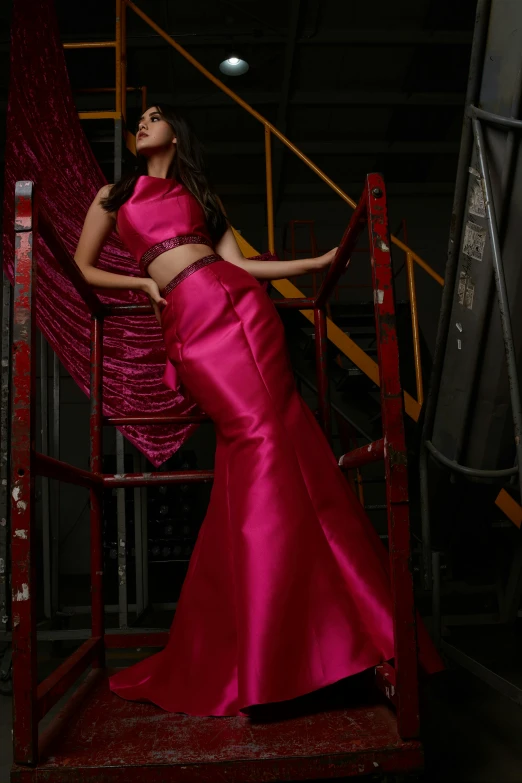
x,y
170,263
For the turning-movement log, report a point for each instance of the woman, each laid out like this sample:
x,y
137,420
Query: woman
x,y
287,589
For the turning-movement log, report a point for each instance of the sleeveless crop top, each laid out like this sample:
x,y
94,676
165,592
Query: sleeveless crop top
x,y
160,214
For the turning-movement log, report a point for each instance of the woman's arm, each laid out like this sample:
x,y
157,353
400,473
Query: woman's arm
x,y
96,228
228,248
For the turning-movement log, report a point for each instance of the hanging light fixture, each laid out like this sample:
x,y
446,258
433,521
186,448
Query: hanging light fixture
x,y
234,65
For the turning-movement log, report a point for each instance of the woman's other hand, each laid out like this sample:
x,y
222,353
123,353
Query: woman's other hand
x,y
157,301
327,258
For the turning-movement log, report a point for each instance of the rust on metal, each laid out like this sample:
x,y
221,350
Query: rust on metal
x,y
395,461
95,736
25,723
396,457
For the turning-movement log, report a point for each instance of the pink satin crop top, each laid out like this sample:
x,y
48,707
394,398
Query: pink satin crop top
x,y
160,214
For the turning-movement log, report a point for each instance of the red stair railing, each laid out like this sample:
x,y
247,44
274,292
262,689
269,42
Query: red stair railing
x,y
32,700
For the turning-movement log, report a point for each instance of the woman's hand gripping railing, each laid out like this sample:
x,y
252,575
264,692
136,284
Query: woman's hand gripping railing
x,y
344,251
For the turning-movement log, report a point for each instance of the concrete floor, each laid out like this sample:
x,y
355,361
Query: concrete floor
x,y
471,733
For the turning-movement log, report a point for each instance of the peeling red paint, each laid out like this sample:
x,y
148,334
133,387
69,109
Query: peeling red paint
x,y
393,449
395,462
25,726
100,738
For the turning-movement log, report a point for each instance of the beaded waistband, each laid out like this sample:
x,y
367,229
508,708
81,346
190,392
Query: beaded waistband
x,y
188,271
167,244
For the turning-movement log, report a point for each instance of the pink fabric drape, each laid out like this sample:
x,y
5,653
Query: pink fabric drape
x,y
46,144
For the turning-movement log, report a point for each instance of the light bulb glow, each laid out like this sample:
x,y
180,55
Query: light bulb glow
x,y
234,66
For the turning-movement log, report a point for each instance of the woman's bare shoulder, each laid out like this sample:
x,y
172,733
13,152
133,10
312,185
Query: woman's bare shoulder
x,y
105,191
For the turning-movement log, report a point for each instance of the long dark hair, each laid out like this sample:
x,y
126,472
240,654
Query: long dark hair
x,y
187,167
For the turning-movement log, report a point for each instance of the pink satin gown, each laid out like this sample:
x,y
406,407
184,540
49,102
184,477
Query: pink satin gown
x,y
288,587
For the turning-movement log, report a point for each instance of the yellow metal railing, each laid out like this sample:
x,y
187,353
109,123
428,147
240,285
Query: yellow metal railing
x,y
120,62
285,287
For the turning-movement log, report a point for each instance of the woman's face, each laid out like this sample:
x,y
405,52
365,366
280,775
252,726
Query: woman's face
x,y
153,132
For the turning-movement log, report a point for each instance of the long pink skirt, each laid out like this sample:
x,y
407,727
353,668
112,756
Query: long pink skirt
x,y
288,588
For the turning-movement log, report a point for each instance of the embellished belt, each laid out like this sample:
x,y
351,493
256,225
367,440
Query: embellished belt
x,y
188,270
167,244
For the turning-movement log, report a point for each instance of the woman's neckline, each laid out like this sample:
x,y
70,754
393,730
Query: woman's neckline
x,y
165,179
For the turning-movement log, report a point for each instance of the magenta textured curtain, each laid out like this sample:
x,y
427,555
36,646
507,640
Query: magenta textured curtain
x,y
46,144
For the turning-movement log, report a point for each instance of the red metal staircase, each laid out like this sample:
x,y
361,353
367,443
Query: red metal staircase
x,y
386,734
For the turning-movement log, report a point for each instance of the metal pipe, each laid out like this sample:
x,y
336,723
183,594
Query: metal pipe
x,y
412,291
144,536
395,460
122,535
496,119
95,493
410,272
138,536
269,190
418,260
5,428
91,45
98,115
182,418
503,301
23,544
115,480
44,447
123,600
56,491
373,452
117,58
435,599
123,61
91,90
64,472
465,471
118,148
344,251
321,348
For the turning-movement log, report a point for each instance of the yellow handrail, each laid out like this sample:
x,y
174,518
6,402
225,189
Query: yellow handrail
x,y
90,45
269,193
410,272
